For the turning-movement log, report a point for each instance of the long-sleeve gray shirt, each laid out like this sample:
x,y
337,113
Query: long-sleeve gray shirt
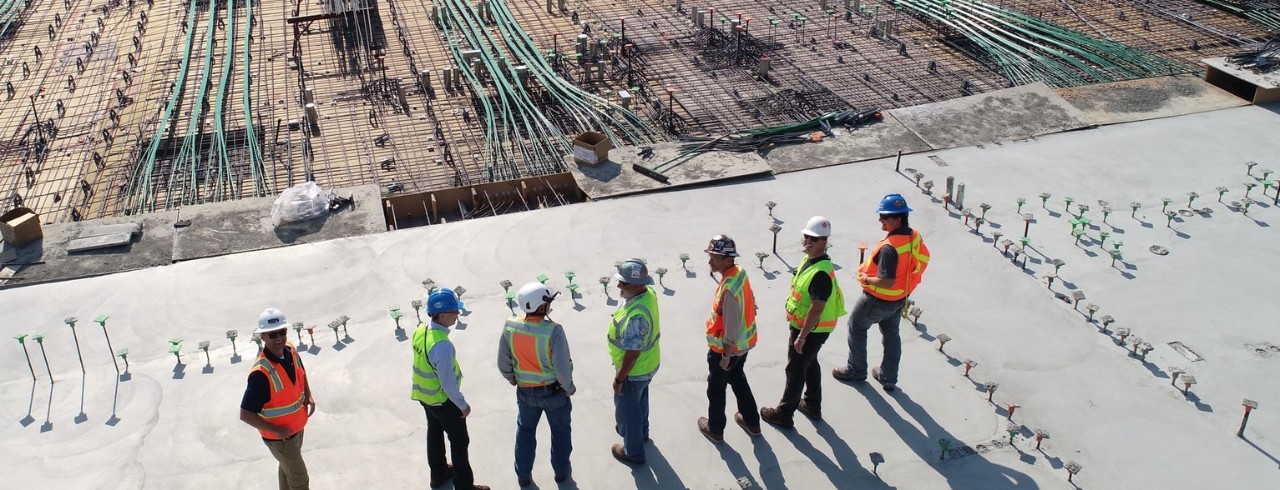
x,y
560,359
441,358
731,314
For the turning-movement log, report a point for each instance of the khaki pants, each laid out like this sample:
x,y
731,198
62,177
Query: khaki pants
x,y
293,471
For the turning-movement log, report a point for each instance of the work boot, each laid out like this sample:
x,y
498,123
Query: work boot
x,y
875,374
742,422
704,426
809,411
620,453
439,482
774,416
479,487
846,375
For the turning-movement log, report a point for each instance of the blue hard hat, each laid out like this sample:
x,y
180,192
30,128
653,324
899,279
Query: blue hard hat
x,y
894,204
443,300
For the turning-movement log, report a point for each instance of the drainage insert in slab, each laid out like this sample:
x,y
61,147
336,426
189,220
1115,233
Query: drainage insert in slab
x,y
1158,250
1185,351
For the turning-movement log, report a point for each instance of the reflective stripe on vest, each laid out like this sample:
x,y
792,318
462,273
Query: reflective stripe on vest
x,y
646,306
426,384
913,259
736,284
285,406
799,302
530,348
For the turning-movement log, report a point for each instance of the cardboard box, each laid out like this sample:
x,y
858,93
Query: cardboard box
x,y
20,227
591,148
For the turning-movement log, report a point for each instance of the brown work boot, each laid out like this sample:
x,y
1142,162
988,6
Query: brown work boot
x,y
773,416
809,411
620,453
742,422
875,374
704,426
844,374
479,487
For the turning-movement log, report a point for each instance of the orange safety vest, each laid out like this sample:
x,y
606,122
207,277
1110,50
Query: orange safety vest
x,y
913,259
286,407
734,282
530,346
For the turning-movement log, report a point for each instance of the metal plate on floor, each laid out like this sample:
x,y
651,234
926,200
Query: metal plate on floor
x,y
1185,351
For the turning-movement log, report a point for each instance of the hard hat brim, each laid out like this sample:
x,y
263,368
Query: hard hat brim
x,y
647,280
261,330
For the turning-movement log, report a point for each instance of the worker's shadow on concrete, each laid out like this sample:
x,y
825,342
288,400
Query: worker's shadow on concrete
x,y
737,467
845,470
291,232
1263,451
770,470
656,473
979,472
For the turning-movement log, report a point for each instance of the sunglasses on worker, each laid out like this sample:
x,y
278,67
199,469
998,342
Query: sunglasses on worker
x,y
274,335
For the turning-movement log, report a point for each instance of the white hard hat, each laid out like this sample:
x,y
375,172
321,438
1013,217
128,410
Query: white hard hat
x,y
533,295
271,320
818,226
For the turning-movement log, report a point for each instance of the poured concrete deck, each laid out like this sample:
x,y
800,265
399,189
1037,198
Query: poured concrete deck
x,y
175,426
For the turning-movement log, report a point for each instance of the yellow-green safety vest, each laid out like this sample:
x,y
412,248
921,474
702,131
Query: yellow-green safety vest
x,y
426,385
799,301
646,306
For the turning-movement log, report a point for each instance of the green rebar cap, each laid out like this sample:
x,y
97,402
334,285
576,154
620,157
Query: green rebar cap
x,y
101,319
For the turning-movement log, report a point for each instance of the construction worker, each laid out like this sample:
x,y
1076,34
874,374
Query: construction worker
x,y
815,304
437,381
731,333
534,357
277,400
888,276
633,345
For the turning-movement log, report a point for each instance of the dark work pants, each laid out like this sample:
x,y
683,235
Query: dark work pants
x,y
444,419
717,380
803,374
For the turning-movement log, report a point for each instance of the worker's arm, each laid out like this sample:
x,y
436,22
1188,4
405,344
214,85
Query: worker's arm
x,y
731,314
309,402
562,361
504,360
441,358
628,362
259,423
886,269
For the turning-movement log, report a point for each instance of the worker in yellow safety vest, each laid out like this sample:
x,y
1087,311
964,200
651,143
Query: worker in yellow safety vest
x,y
533,356
815,304
731,333
633,346
437,386
888,276
277,400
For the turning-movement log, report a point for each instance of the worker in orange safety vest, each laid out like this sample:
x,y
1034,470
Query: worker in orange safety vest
x,y
277,400
731,333
888,276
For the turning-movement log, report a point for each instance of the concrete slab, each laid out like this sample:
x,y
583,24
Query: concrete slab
x,y
1150,98
151,248
130,228
96,242
174,426
244,225
615,177
1010,114
877,140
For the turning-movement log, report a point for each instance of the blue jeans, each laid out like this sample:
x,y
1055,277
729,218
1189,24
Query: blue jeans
x,y
631,416
532,402
888,314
